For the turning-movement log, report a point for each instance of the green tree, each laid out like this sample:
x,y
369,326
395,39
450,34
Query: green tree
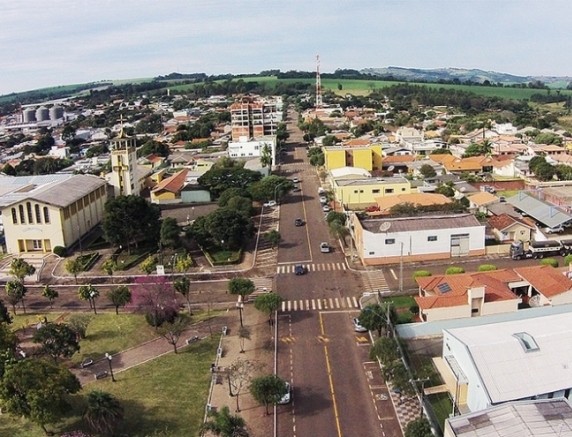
x,y
103,412
545,171
109,266
8,170
79,323
239,375
219,179
385,350
316,156
242,287
73,267
241,204
454,270
228,228
51,294
19,268
224,424
5,317
183,263
183,287
266,156
273,237
38,390
90,294
374,318
271,187
427,171
57,340
130,220
229,193
119,296
170,232
419,427
148,264
268,303
268,390
172,331
16,291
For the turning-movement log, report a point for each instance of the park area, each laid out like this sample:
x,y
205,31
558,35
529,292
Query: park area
x,y
160,397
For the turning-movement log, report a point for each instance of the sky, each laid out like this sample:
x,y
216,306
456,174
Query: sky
x,y
60,42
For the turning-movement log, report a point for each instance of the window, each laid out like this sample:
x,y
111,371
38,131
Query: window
x,y
355,191
388,190
38,214
404,189
474,310
22,216
390,241
371,253
37,244
29,210
14,216
375,191
432,238
526,341
47,214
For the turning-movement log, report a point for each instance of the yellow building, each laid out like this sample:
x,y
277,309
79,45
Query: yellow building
x,y
42,212
360,193
354,153
169,189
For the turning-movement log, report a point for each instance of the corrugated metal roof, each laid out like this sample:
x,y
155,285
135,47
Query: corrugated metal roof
x,y
507,370
426,222
541,211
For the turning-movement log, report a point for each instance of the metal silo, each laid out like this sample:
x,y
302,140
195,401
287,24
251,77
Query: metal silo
x,y
42,114
56,112
29,115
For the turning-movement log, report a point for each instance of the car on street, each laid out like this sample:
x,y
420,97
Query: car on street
x,y
321,190
269,204
288,396
326,208
324,247
554,230
298,222
323,199
295,180
299,269
357,326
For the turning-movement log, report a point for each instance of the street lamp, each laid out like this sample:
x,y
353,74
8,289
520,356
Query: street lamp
x,y
109,358
278,186
240,306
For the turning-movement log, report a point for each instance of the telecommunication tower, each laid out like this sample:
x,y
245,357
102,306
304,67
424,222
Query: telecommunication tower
x,y
318,84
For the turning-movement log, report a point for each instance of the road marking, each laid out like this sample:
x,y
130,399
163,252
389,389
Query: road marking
x,y
307,304
283,306
329,370
323,339
331,302
313,304
356,305
319,304
349,302
295,303
362,339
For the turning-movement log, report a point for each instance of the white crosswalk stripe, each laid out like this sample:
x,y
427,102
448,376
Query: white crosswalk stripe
x,y
313,267
374,280
263,285
332,303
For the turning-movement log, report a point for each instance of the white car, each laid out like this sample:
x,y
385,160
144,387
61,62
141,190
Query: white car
x,y
357,326
269,204
554,230
288,396
321,190
324,247
295,180
323,199
326,208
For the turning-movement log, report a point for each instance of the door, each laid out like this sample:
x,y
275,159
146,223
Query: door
x,y
460,245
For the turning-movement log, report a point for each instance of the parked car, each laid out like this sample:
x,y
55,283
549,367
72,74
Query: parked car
x,y
357,326
554,230
324,247
326,208
323,199
288,396
321,190
269,204
295,180
86,363
299,269
298,222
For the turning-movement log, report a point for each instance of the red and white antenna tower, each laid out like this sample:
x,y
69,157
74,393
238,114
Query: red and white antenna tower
x,y
318,84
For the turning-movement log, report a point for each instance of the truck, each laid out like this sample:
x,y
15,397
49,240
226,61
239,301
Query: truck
x,y
540,249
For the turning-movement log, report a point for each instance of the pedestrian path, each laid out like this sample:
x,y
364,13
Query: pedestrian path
x,y
374,281
332,303
263,285
313,267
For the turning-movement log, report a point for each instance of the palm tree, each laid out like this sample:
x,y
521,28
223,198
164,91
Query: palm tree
x,y
222,423
103,412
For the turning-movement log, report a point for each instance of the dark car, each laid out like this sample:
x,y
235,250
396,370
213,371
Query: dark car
x,y
299,222
299,269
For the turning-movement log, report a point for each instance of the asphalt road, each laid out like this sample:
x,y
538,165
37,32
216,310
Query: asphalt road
x,y
318,351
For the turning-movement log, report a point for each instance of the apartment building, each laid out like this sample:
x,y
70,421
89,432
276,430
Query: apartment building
x,y
252,117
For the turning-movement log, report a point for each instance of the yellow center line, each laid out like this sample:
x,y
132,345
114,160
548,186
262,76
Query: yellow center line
x,y
329,369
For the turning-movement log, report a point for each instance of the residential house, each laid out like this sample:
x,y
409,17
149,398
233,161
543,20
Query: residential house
x,y
169,189
496,363
386,203
428,237
506,228
480,201
42,212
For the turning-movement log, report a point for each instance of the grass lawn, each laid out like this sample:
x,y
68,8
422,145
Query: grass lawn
x,y
442,406
401,301
166,396
111,333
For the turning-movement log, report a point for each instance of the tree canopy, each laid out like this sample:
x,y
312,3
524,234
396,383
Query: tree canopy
x,y
57,340
217,179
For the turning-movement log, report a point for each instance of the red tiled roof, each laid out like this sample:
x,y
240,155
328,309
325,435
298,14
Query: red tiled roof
x,y
547,280
504,221
174,184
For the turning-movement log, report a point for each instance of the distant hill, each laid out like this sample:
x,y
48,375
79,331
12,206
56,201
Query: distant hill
x,y
462,75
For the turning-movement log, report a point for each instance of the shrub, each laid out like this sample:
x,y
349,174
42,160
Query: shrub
x,y
60,251
421,273
414,309
567,260
549,262
454,270
158,317
487,267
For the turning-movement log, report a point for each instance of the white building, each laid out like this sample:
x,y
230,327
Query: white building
x,y
420,238
517,360
245,148
124,177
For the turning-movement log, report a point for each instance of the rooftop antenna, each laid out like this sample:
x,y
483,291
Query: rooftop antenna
x,y
318,84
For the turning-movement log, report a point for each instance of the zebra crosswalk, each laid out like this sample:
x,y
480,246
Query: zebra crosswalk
x,y
313,267
332,303
263,285
374,280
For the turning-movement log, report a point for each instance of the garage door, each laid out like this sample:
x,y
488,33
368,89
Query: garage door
x,y
460,245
